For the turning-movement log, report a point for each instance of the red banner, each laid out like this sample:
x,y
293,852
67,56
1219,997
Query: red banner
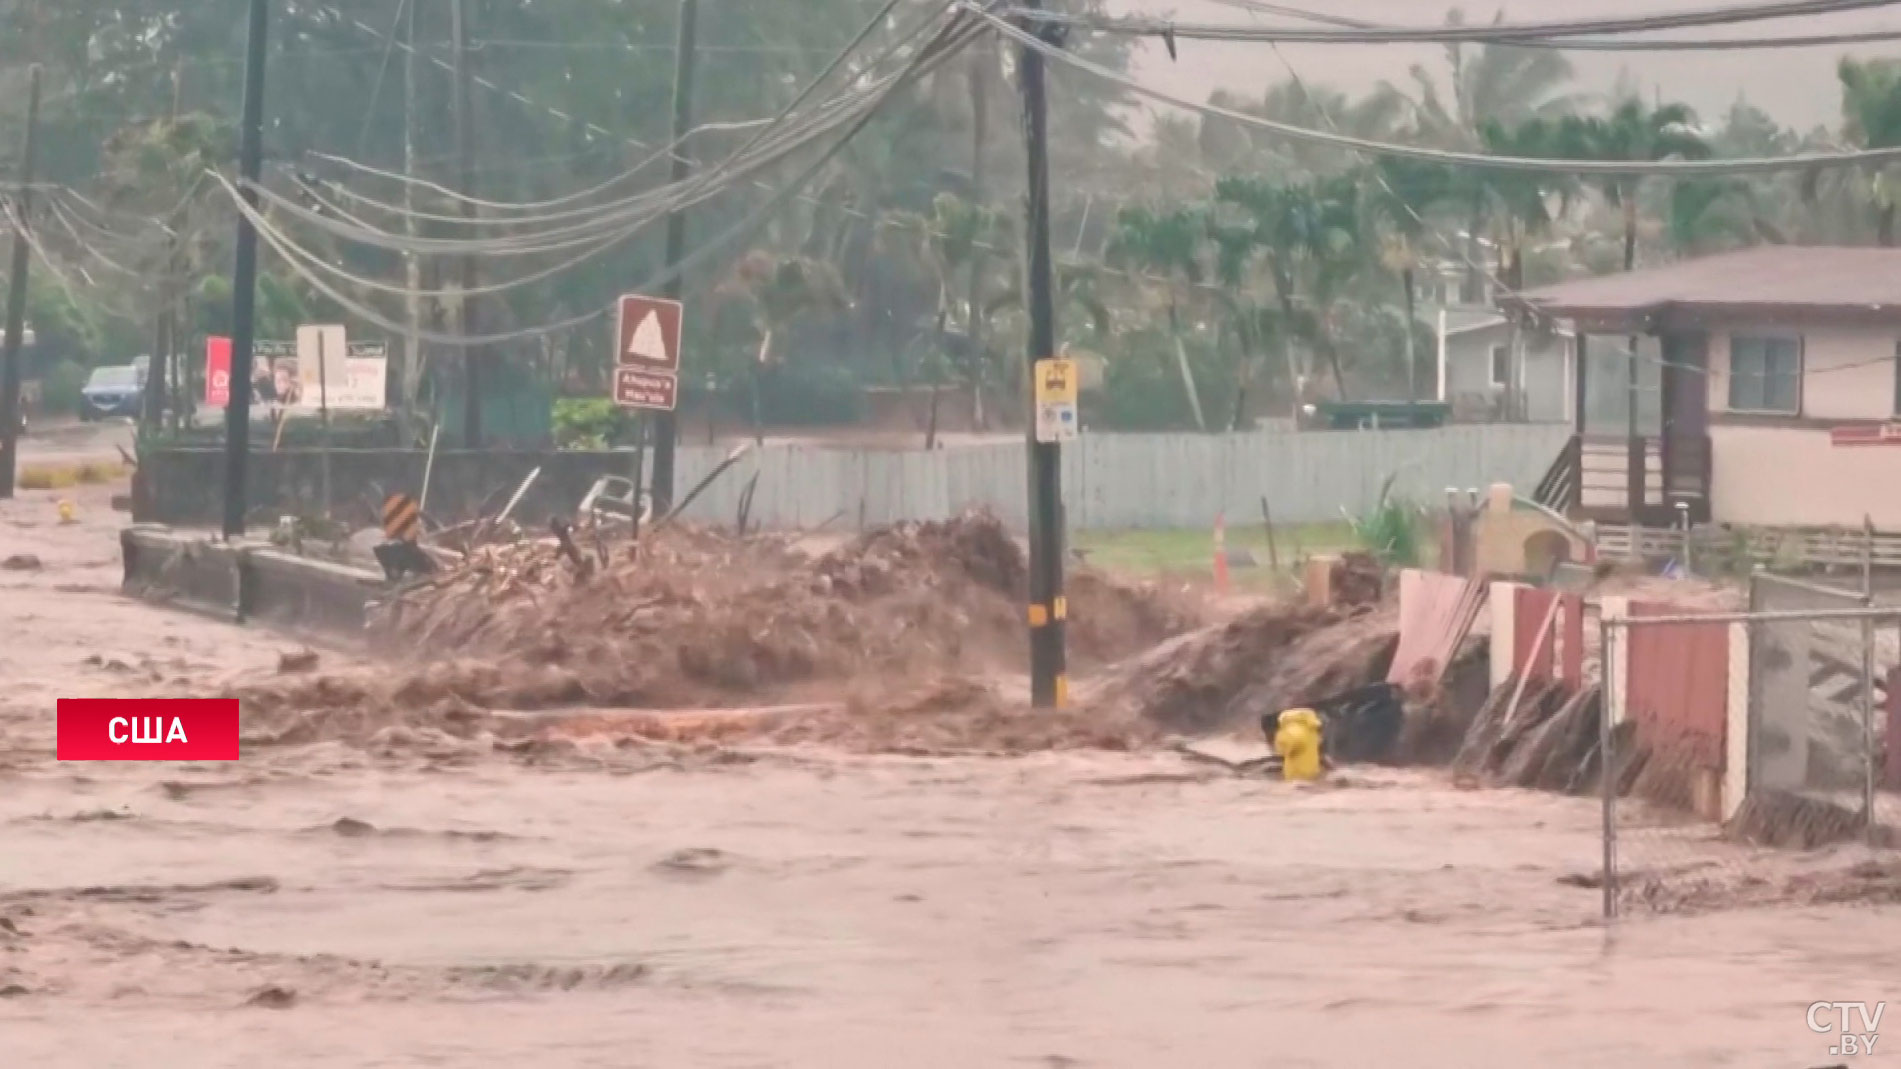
x,y
148,729
217,372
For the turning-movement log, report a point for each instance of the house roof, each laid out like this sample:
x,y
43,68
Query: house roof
x,y
1781,284
1465,320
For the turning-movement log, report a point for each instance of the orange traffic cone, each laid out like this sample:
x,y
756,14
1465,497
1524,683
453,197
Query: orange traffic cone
x,y
1221,553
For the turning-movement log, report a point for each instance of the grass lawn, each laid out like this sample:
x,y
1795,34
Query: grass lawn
x,y
1190,551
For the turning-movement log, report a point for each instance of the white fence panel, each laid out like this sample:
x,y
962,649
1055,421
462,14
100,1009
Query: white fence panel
x,y
1116,481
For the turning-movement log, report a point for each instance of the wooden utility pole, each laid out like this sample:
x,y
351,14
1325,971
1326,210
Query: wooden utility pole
x,y
237,414
472,354
16,295
665,427
1048,608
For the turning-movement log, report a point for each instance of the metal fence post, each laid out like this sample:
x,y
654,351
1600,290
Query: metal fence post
x,y
1606,760
1869,757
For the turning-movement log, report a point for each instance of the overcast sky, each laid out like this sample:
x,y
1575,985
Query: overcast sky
x,y
1797,86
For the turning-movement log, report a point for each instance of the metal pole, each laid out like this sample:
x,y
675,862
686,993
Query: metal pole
x,y
1637,452
237,414
1606,764
16,295
640,472
1047,608
665,427
1868,555
472,354
323,417
429,467
1870,756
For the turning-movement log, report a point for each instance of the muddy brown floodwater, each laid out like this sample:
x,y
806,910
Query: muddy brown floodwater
x,y
330,906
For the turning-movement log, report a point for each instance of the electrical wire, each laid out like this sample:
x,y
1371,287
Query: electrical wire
x,y
947,44
1624,168
1586,44
673,150
1497,32
620,222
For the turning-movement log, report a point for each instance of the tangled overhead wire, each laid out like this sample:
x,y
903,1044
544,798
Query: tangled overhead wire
x,y
1593,44
832,126
1344,32
1554,165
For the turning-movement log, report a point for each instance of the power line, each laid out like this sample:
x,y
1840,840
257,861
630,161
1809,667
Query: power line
x,y
1497,32
1624,168
1586,44
948,42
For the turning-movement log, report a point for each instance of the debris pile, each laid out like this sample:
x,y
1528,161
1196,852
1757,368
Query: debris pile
x,y
1358,579
704,620
1539,736
1268,659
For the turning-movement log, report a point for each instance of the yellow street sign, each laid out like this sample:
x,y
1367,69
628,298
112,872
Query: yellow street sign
x,y
1057,382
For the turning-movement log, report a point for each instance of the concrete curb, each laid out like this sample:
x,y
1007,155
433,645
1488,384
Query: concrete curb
x,y
245,582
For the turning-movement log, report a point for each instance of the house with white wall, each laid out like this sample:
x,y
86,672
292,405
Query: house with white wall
x,y
1491,372
1763,388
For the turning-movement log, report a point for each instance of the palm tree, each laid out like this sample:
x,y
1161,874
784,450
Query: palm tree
x,y
1496,84
782,292
1871,118
1408,191
952,244
1637,133
1711,213
1522,201
1374,116
1312,238
1167,243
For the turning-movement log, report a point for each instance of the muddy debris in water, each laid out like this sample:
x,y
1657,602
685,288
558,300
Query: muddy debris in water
x,y
272,998
1869,881
705,620
1271,658
21,562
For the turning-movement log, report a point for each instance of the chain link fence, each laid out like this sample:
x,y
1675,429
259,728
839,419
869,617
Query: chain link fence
x,y
1736,738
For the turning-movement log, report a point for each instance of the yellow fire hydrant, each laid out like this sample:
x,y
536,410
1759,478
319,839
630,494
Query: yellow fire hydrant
x,y
1297,740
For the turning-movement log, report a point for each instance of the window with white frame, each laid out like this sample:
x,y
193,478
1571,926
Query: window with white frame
x,y
1765,374
1501,365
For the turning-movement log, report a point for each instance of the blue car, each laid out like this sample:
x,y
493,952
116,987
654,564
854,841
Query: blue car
x,y
112,391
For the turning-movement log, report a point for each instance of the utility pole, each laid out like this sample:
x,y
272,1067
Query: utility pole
x,y
16,296
1048,609
237,413
665,428
411,376
472,354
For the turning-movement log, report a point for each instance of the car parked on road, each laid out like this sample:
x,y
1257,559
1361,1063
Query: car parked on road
x,y
112,391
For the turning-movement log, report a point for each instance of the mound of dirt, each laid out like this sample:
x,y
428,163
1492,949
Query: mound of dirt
x,y
705,620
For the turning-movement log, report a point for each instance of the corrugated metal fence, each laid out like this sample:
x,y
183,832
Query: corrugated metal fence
x,y
1117,481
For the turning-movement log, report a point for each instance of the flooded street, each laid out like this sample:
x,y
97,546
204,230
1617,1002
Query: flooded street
x,y
606,906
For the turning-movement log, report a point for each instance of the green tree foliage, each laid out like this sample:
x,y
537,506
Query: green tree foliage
x,y
1221,273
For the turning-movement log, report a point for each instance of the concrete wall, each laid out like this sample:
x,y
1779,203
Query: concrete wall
x,y
1110,480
